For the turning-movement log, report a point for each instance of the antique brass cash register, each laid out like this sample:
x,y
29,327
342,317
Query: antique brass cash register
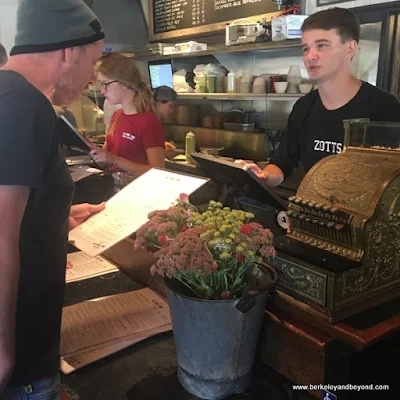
x,y
341,254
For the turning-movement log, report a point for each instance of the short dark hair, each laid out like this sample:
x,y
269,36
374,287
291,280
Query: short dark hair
x,y
341,19
164,94
3,54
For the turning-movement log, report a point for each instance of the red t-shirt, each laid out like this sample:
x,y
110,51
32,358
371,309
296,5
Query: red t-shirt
x,y
134,134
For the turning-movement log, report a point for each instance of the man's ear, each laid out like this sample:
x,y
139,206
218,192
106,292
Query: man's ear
x,y
352,48
71,55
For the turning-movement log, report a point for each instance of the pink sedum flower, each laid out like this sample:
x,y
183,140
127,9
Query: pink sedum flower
x,y
153,270
225,295
214,267
163,239
184,198
208,251
240,257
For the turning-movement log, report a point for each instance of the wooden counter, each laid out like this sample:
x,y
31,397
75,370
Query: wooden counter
x,y
308,350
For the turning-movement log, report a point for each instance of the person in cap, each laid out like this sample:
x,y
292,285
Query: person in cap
x,y
56,47
3,55
135,139
315,128
165,99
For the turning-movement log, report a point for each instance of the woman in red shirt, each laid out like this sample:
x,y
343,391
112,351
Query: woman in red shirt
x,y
135,139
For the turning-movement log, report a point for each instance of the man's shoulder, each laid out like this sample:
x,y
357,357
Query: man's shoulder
x,y
383,105
16,90
302,105
377,93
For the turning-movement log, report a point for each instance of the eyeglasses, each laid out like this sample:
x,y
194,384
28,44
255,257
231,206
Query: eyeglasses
x,y
106,84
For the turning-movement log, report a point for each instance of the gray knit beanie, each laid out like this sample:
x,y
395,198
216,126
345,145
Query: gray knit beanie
x,y
47,25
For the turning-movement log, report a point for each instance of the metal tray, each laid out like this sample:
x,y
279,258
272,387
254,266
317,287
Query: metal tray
x,y
239,127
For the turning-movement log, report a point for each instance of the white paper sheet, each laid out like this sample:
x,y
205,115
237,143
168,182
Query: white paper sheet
x,y
87,325
72,363
80,266
126,211
79,172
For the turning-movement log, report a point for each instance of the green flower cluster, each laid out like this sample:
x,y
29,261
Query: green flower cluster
x,y
212,253
222,230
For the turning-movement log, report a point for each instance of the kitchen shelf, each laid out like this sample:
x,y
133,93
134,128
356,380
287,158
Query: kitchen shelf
x,y
226,96
281,45
240,96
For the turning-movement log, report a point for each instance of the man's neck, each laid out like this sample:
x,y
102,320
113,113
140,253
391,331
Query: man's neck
x,y
338,91
33,70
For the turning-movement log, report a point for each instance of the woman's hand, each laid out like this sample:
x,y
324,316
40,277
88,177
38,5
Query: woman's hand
x,y
169,146
100,155
81,212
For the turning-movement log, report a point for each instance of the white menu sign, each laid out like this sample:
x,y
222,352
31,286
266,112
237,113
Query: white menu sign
x,y
127,211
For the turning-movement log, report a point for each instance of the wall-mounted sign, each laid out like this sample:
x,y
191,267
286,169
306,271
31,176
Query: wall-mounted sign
x,y
184,18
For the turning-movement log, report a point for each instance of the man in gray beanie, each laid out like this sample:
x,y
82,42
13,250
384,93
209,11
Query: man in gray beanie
x,y
56,47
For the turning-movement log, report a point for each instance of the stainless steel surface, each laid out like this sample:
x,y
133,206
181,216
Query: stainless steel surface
x,y
239,127
117,21
244,145
240,96
239,34
219,49
212,151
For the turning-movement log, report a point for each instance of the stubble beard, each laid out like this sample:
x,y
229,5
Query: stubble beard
x,y
66,91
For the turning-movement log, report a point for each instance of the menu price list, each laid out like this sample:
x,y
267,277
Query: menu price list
x,y
171,15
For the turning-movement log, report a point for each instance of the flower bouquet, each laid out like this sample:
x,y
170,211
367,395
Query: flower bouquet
x,y
217,287
215,253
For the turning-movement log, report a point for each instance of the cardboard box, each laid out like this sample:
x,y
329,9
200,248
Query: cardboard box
x,y
287,27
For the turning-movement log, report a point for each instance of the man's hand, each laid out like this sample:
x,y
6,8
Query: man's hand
x,y
100,155
272,174
81,212
254,167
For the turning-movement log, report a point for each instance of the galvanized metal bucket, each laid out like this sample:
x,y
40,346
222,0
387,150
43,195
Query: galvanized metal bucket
x,y
215,342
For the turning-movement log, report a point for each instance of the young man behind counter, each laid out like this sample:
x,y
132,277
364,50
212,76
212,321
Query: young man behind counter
x,y
315,127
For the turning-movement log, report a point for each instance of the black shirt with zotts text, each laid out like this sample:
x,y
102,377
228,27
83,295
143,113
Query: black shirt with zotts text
x,y
314,132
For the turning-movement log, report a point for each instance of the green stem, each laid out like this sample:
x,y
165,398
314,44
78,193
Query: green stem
x,y
188,286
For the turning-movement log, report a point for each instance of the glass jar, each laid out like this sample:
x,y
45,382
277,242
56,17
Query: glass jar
x,y
211,83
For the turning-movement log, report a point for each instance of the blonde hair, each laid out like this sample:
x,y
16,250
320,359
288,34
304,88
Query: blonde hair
x,y
123,69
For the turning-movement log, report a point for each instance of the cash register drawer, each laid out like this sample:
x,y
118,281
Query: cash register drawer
x,y
299,280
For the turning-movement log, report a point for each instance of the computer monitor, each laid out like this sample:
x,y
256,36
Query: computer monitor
x,y
72,138
240,177
160,73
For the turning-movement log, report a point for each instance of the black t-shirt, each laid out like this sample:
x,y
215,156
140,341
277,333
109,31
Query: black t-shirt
x,y
315,132
29,156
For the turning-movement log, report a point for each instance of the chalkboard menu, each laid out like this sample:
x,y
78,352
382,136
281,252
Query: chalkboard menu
x,y
184,15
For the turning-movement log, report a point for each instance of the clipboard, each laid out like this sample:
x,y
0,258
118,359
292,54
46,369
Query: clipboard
x,y
239,175
87,145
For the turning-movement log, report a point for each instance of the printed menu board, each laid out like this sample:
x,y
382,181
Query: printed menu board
x,y
179,17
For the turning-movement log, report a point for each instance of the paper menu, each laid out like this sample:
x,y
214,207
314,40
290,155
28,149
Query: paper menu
x,y
79,172
88,325
80,266
74,362
126,211
140,313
